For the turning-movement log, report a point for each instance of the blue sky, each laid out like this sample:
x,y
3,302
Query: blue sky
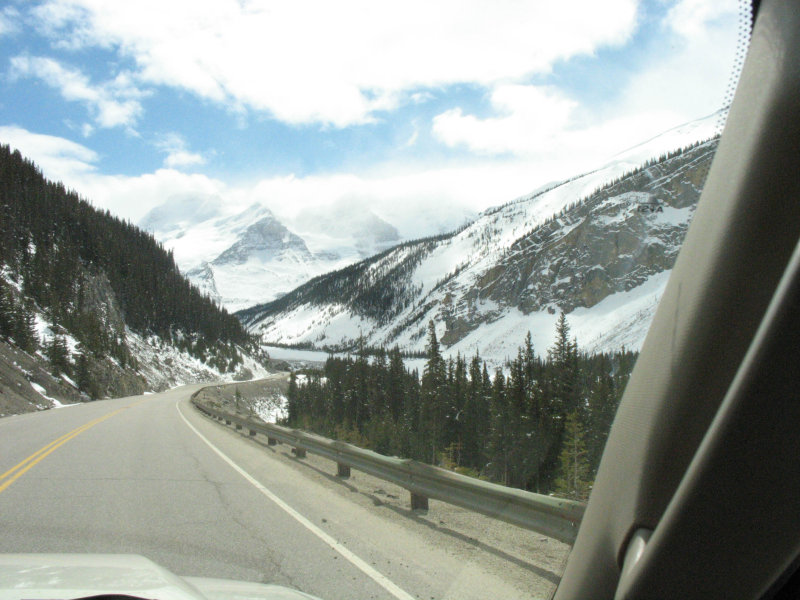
x,y
393,105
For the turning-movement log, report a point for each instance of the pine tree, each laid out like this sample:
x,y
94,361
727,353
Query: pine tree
x,y
432,409
6,313
500,441
395,384
563,357
24,328
293,408
82,375
574,480
475,417
58,355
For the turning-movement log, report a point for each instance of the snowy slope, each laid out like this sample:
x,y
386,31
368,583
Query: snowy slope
x,y
515,267
265,261
241,258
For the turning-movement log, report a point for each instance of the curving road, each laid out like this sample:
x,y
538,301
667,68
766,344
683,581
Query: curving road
x,y
149,475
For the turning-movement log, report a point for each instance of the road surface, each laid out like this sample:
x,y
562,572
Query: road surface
x,y
149,475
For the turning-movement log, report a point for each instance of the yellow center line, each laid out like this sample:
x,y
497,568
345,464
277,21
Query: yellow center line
x,y
23,467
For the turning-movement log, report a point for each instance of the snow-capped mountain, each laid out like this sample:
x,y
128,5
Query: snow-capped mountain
x,y
265,240
265,261
251,257
598,247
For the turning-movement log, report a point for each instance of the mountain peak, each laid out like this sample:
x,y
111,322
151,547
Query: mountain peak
x,y
265,240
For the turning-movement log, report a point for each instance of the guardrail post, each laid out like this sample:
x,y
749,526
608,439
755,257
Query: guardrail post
x,y
419,502
299,452
271,441
342,470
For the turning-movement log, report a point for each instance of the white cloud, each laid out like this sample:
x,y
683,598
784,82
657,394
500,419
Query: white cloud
x,y
9,21
337,63
692,18
182,158
58,158
541,127
177,151
112,104
542,123
417,201
691,79
129,197
530,117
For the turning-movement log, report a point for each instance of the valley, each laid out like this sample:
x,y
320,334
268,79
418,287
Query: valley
x,y
598,247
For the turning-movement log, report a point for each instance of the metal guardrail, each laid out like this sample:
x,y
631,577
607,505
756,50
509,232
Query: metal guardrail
x,y
554,517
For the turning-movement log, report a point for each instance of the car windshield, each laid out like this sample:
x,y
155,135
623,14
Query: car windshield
x,y
336,296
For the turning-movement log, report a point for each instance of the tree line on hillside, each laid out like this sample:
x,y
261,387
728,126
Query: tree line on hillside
x,y
540,426
377,287
60,255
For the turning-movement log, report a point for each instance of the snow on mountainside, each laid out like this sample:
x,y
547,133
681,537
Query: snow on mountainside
x,y
598,247
248,257
263,253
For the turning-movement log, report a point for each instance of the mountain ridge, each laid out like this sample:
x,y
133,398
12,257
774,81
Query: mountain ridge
x,y
91,302
495,269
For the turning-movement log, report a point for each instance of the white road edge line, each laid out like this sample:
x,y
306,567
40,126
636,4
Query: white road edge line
x,y
359,563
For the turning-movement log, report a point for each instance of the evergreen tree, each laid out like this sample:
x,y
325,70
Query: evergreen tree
x,y
24,328
500,441
6,312
475,417
395,384
564,360
574,480
432,401
58,355
293,407
83,376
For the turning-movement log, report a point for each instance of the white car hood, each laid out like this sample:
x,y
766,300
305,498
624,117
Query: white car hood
x,y
63,576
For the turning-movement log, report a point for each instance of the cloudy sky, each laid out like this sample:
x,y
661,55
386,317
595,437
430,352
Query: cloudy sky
x,y
420,105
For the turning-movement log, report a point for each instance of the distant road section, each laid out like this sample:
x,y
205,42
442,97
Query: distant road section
x,y
149,475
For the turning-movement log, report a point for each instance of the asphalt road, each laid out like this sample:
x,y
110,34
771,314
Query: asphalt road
x,y
149,475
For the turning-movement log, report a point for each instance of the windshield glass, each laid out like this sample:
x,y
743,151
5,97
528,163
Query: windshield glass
x,y
433,231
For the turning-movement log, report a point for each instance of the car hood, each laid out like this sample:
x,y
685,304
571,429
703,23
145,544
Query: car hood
x,y
62,576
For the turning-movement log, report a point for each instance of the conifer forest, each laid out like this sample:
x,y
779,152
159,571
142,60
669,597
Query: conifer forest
x,y
540,424
93,275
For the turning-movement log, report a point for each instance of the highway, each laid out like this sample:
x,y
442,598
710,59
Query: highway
x,y
149,475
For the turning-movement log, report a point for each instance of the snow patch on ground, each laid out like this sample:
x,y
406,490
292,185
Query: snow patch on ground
x,y
163,366
55,402
271,410
620,320
67,378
